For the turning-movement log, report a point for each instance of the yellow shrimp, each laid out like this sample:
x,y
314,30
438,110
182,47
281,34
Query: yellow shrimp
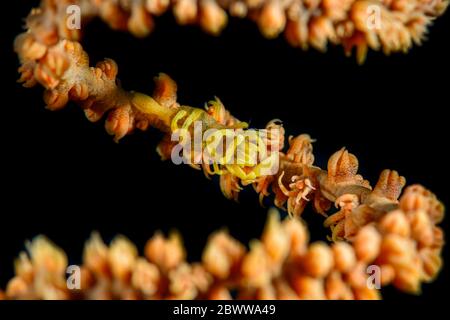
x,y
241,145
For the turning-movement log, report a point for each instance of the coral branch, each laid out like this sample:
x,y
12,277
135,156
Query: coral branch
x,y
389,25
404,245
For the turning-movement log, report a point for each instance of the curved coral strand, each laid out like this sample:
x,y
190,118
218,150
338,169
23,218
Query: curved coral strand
x,y
389,25
281,265
95,89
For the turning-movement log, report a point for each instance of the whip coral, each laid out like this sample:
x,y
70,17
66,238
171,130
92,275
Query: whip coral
x,y
405,244
389,25
371,225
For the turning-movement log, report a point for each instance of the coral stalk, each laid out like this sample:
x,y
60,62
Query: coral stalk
x,y
404,246
387,25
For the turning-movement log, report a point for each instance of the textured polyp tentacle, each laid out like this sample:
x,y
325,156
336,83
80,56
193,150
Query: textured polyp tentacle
x,y
165,91
342,166
272,19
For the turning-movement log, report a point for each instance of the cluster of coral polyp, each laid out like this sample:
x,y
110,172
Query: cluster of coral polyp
x,y
404,245
370,227
389,25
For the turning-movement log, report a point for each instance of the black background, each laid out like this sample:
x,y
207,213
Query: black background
x,y
64,177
